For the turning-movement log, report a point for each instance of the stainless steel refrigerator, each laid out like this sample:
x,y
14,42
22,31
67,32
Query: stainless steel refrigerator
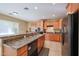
x,y
70,35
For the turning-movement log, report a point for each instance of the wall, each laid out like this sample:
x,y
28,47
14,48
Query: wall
x,y
23,25
35,24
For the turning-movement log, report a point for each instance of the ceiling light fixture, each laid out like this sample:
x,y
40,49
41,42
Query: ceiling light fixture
x,y
35,8
53,15
13,13
26,8
43,17
53,3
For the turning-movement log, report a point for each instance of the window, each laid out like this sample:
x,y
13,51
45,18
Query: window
x,y
8,27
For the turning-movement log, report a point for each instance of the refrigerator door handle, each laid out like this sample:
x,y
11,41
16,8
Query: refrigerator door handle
x,y
62,41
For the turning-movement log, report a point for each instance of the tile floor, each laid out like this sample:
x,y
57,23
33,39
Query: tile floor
x,y
44,52
54,48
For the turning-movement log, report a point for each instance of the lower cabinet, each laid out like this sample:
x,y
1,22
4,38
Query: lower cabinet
x,y
40,43
23,51
9,51
53,37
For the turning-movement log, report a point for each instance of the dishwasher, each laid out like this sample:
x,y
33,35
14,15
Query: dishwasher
x,y
32,48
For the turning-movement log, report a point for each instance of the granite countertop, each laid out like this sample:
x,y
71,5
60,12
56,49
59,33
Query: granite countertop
x,y
8,35
54,32
24,41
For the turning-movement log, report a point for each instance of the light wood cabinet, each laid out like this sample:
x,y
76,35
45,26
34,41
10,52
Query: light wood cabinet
x,y
72,7
53,37
23,51
40,43
9,51
57,24
47,36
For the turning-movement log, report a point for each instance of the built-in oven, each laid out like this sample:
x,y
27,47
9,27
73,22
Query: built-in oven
x,y
32,48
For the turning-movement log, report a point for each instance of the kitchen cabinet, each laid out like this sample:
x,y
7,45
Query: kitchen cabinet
x,y
30,48
40,43
23,51
9,51
47,36
53,37
27,50
72,7
57,24
57,37
47,23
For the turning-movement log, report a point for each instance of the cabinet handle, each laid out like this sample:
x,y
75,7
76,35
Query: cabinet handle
x,y
29,48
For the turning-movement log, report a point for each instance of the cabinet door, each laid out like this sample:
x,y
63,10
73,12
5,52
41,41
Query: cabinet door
x,y
9,51
47,36
39,45
55,37
51,36
23,51
56,24
42,41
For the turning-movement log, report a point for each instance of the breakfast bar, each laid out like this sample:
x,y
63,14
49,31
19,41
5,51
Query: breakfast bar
x,y
22,46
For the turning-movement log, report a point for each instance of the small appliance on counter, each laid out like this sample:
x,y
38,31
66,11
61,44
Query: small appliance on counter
x,y
39,30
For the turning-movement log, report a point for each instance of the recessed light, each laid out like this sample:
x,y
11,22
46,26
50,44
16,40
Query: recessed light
x,y
35,7
43,17
53,15
13,13
26,8
53,3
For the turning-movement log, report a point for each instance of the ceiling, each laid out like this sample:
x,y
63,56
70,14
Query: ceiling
x,y
34,11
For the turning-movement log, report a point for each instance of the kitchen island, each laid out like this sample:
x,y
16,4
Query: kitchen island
x,y
23,46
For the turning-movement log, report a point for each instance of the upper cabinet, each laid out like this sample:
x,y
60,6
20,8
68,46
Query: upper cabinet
x,y
57,24
45,24
72,7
